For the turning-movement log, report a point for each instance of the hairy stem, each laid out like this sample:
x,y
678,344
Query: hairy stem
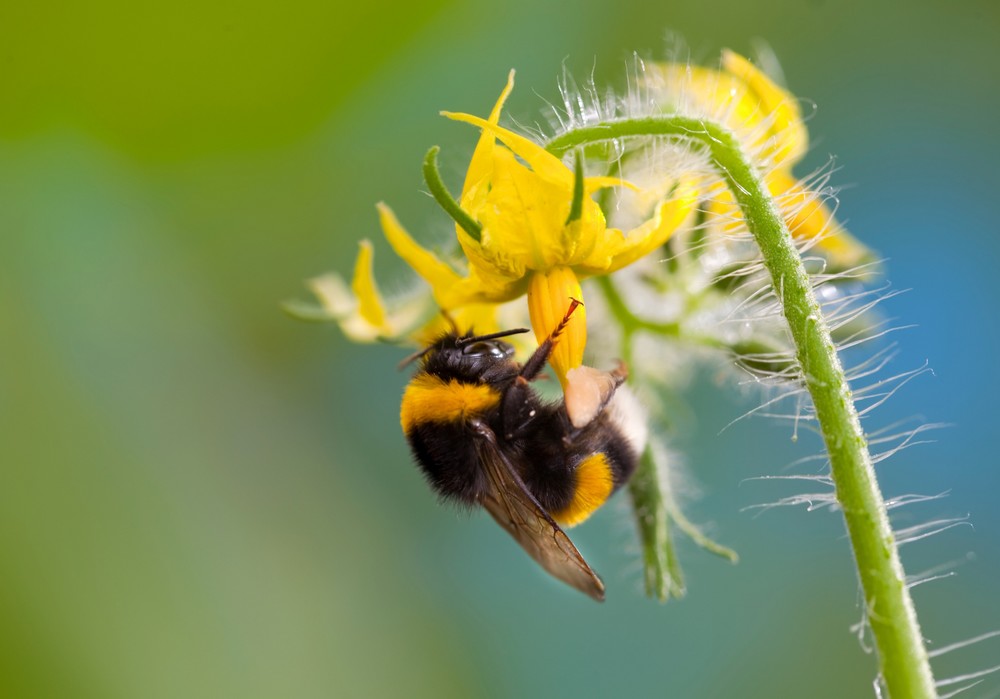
x,y
664,578
655,509
903,660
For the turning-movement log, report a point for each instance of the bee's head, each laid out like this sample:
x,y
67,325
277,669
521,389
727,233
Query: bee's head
x,y
467,356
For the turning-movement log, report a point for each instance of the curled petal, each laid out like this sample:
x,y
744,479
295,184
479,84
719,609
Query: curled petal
x,y
360,310
370,305
343,307
776,105
809,218
543,163
439,275
670,215
336,301
482,157
483,285
593,184
765,116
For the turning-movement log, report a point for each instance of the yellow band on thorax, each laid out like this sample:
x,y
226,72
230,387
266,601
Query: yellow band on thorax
x,y
431,399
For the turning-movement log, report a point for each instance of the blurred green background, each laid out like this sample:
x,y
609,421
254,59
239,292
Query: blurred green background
x,y
202,498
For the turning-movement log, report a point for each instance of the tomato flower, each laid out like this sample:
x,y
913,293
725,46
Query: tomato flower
x,y
538,232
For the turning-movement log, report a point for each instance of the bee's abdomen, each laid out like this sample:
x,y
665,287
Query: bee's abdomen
x,y
591,483
602,460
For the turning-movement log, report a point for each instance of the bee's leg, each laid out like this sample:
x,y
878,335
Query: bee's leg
x,y
482,430
521,404
520,408
536,362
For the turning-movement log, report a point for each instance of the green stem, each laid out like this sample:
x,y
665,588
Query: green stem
x,y
743,350
632,323
664,578
903,659
576,206
653,503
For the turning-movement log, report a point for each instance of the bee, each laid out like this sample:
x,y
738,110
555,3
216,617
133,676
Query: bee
x,y
482,436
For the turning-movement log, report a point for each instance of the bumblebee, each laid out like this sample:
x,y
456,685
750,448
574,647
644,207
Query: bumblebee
x,y
482,436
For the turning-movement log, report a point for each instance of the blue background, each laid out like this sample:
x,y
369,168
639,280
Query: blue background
x,y
201,497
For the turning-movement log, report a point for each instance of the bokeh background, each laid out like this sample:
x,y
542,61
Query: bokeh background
x,y
200,497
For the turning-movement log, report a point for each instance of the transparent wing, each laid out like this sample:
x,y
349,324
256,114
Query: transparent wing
x,y
516,510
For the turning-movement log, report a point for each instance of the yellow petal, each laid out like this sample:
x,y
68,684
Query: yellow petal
x,y
581,238
777,105
343,306
439,275
670,215
482,157
808,217
593,184
549,297
486,286
765,116
544,164
523,217
360,310
363,285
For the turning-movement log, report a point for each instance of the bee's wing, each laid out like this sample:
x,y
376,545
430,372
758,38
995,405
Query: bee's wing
x,y
517,511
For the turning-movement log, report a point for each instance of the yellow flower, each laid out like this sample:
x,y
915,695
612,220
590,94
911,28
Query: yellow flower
x,y
769,123
530,224
531,239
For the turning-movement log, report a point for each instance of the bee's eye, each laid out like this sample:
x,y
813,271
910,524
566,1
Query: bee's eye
x,y
485,349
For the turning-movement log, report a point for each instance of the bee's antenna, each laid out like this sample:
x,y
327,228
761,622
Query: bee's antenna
x,y
413,357
492,336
